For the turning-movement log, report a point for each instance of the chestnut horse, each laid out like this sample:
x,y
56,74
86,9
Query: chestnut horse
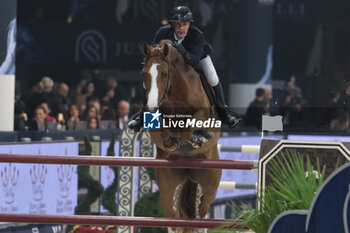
x,y
174,88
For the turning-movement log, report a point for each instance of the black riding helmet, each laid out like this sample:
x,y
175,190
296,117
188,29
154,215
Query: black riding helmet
x,y
181,14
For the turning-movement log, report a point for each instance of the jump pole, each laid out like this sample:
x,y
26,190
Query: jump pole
x,y
128,161
118,221
253,149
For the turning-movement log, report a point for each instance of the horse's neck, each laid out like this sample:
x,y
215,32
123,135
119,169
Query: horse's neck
x,y
186,87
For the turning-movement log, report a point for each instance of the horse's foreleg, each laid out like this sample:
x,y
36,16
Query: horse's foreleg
x,y
167,184
168,142
209,181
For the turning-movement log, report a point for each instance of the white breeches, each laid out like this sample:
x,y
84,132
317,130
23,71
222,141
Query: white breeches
x,y
207,67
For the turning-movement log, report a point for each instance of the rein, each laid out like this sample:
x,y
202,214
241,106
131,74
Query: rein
x,y
168,81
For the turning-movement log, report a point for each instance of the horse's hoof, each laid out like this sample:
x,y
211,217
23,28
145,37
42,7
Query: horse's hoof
x,y
185,146
205,133
198,140
172,148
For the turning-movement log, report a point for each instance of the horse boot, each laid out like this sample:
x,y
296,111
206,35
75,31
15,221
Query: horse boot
x,y
136,123
229,117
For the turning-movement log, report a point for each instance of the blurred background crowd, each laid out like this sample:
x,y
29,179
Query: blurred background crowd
x,y
78,62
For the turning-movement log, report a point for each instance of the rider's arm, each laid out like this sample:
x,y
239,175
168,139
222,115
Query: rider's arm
x,y
158,37
193,55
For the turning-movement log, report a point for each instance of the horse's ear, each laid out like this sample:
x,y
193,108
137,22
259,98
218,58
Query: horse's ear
x,y
145,48
165,50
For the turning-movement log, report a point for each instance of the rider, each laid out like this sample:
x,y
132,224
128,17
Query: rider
x,y
194,48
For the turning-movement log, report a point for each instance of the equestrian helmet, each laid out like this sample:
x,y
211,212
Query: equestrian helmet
x,y
181,14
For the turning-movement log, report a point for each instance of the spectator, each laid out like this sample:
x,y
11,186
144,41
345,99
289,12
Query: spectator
x,y
73,118
92,123
41,92
108,113
61,101
20,116
80,98
47,85
94,101
123,113
291,103
90,112
49,118
110,81
39,122
257,108
107,99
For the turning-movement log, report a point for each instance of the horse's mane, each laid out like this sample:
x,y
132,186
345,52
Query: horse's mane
x,y
163,42
172,50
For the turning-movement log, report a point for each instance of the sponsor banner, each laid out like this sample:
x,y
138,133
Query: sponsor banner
x,y
39,188
101,46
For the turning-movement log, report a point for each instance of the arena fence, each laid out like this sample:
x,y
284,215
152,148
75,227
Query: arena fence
x,y
125,189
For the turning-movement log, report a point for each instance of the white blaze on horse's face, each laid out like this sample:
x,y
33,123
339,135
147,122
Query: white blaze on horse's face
x,y
152,102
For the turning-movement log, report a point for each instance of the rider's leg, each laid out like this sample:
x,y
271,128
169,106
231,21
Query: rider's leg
x,y
230,118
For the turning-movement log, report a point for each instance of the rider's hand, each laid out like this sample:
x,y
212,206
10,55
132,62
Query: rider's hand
x,y
180,48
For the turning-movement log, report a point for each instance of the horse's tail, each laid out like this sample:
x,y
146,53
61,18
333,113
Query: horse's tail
x,y
187,202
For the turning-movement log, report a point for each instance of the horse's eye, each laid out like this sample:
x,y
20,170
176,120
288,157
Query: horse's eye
x,y
164,75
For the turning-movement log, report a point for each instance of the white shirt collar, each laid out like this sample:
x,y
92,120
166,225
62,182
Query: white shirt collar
x,y
178,39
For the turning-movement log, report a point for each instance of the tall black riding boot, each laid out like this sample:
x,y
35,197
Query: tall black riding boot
x,y
229,117
137,120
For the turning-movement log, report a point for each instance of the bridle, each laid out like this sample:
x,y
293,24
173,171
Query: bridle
x,y
168,81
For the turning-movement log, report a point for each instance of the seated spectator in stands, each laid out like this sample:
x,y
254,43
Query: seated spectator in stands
x,y
110,81
107,99
61,101
291,103
42,92
90,112
48,111
258,107
92,123
108,113
39,122
20,116
123,113
94,101
73,117
87,91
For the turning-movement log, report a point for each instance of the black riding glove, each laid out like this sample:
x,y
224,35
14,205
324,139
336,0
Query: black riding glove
x,y
182,51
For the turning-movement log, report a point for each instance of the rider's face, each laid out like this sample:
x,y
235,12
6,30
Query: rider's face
x,y
181,29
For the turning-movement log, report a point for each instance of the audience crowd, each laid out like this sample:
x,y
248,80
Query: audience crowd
x,y
101,104
98,104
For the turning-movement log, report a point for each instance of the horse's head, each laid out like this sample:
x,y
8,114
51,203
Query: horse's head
x,y
156,70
